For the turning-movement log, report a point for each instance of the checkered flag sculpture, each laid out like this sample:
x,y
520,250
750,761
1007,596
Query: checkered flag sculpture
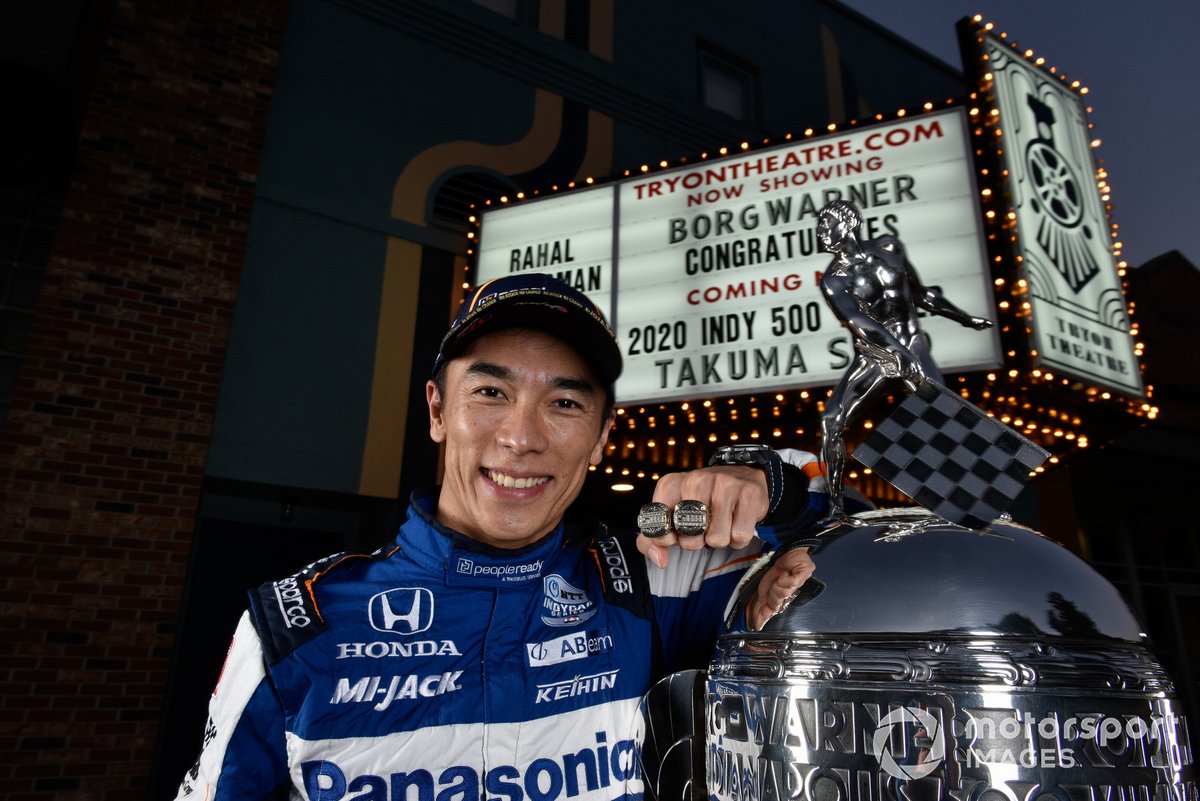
x,y
950,457
936,448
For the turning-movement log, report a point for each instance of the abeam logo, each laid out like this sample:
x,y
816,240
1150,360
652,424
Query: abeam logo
x,y
569,647
588,770
403,610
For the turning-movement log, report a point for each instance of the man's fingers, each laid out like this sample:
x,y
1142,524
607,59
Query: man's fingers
x,y
746,513
735,496
785,576
720,526
656,550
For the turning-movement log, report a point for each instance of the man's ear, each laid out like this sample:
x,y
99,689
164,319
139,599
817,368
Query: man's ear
x,y
598,451
437,424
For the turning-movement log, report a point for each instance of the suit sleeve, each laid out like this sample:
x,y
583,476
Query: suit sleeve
x,y
692,594
244,755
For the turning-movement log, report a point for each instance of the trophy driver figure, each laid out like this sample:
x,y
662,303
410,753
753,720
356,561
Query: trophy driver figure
x,y
875,292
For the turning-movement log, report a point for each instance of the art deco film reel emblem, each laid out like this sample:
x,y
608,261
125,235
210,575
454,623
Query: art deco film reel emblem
x,y
1058,190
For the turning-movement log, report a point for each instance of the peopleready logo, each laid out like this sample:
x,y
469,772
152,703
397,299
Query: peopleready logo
x,y
508,573
910,744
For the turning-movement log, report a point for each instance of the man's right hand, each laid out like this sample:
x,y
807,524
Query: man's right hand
x,y
737,499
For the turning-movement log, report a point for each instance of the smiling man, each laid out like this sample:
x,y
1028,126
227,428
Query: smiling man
x,y
493,651
522,417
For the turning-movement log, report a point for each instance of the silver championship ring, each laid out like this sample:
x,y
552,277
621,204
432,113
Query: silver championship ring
x,y
691,518
654,520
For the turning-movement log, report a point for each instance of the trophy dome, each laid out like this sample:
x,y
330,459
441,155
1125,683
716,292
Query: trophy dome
x,y
910,572
924,660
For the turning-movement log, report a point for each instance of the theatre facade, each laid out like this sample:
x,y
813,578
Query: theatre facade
x,y
266,216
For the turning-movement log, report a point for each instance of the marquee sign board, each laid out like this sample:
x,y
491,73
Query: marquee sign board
x,y
1080,325
710,272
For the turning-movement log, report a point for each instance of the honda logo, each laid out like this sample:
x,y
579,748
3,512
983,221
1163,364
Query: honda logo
x,y
404,610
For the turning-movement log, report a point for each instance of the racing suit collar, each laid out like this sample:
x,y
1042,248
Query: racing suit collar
x,y
463,560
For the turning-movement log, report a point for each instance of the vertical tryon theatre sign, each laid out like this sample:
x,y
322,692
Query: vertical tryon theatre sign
x,y
710,272
1079,319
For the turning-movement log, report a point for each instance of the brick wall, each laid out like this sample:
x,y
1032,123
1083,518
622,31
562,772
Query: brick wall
x,y
103,450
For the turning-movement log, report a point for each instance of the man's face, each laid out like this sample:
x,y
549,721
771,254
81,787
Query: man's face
x,y
521,420
831,233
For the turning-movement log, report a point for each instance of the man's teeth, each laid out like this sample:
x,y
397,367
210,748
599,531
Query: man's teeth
x,y
505,480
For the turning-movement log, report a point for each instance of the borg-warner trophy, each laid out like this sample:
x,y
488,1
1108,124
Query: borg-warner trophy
x,y
942,652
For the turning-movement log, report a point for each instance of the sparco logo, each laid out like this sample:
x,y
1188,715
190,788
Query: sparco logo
x,y
616,566
927,747
403,610
291,603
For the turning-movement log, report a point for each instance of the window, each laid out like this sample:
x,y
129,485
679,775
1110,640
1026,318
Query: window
x,y
505,8
728,84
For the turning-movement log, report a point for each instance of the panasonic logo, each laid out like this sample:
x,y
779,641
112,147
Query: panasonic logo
x,y
410,648
548,778
369,688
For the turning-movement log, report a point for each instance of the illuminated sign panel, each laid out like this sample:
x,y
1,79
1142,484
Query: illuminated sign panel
x,y
713,289
1080,325
570,236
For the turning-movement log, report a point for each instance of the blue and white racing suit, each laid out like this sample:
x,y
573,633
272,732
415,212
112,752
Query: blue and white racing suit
x,y
440,669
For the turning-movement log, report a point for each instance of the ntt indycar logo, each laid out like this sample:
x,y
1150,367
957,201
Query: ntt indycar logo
x,y
588,770
564,604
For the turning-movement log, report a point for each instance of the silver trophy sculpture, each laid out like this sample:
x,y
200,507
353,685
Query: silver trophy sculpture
x,y
937,448
937,653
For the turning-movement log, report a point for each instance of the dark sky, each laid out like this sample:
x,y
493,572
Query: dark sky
x,y
1139,61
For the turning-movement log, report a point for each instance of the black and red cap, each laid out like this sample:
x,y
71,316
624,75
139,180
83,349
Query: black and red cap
x,y
535,300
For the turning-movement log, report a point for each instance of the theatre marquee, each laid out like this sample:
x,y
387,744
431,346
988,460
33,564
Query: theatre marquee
x,y
709,272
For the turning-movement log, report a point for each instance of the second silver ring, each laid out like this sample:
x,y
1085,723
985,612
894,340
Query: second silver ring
x,y
690,518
